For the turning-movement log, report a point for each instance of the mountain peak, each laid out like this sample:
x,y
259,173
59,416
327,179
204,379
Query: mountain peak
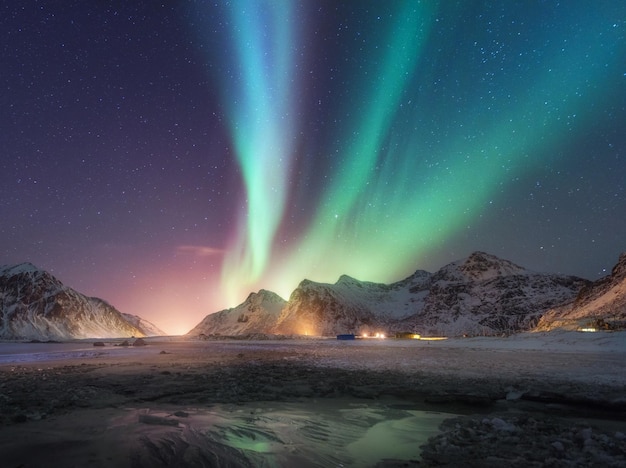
x,y
262,297
479,258
271,296
257,314
418,274
37,305
26,267
464,297
345,279
480,266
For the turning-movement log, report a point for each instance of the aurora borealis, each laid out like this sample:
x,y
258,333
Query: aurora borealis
x,y
259,98
173,157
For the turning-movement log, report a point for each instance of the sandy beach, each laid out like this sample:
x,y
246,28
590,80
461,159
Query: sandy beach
x,y
527,400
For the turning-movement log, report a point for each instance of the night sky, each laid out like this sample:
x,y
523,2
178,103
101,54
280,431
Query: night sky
x,y
171,157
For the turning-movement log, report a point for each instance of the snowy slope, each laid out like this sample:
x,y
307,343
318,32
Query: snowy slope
x,y
148,328
487,295
351,306
36,305
257,314
600,304
479,266
479,295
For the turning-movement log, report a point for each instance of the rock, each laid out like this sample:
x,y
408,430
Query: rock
x,y
502,425
513,394
558,446
98,343
139,342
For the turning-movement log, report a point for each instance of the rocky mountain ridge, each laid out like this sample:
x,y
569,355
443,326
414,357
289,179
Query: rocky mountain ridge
x,y
481,294
36,305
599,305
257,314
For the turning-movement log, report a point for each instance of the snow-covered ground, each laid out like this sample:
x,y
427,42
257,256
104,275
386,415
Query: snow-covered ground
x,y
388,353
554,341
301,402
23,353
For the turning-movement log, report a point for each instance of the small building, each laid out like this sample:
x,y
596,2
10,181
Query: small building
x,y
346,336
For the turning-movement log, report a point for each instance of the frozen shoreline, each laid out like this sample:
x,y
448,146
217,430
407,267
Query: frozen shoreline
x,y
554,341
553,384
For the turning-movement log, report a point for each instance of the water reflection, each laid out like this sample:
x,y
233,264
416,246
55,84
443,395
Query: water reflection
x,y
316,433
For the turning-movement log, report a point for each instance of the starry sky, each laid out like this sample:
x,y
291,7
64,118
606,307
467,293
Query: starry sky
x,y
172,157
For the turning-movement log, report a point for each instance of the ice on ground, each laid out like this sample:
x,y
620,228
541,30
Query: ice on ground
x,y
309,434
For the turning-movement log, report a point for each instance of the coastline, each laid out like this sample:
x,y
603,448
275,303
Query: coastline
x,y
552,381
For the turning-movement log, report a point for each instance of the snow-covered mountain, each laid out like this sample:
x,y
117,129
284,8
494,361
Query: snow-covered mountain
x,y
484,294
600,304
481,294
36,305
259,313
350,305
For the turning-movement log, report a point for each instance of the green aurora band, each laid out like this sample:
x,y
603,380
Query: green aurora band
x,y
398,188
381,214
262,122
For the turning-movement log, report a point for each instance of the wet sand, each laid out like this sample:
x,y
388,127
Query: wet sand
x,y
310,402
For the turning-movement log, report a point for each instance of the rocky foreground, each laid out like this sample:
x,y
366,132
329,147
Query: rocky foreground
x,y
158,405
